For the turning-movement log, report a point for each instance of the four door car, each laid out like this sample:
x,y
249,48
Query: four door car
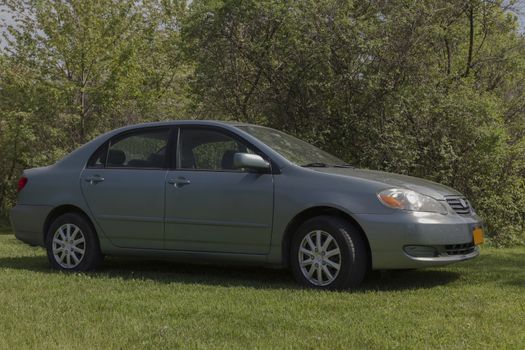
x,y
233,192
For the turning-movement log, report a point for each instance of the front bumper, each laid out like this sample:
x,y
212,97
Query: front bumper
x,y
28,222
390,235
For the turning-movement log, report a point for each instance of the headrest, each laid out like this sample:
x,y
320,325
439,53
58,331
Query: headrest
x,y
187,159
227,160
156,160
116,157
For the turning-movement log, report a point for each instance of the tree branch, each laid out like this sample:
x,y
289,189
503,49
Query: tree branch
x,y
471,38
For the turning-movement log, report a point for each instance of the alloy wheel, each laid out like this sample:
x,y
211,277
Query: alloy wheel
x,y
69,246
319,258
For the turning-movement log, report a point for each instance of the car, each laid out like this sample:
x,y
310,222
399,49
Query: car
x,y
230,192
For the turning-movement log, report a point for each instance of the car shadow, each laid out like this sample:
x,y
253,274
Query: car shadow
x,y
5,228
170,272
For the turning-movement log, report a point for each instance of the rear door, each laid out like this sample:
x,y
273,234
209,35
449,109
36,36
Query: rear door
x,y
123,185
212,207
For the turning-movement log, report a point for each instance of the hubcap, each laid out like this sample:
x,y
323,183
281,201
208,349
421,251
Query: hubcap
x,y
319,258
69,246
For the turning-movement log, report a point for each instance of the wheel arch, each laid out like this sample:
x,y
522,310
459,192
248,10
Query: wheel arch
x,y
312,212
63,209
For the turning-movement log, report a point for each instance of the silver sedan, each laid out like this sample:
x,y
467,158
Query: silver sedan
x,y
233,192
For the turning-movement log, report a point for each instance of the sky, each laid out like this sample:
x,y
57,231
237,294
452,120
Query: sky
x,y
5,20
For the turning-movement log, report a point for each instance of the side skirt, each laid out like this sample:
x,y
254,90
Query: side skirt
x,y
192,256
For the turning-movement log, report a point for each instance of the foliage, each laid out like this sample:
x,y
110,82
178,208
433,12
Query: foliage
x,y
428,88
431,88
73,69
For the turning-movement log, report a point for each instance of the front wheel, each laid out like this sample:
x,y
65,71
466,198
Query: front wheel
x,y
72,244
328,253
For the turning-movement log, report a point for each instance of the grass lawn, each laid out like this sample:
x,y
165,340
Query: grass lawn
x,y
131,303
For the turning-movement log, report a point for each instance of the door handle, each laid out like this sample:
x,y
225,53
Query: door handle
x,y
94,179
179,182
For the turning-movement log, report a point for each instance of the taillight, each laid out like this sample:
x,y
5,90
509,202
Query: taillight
x,y
22,182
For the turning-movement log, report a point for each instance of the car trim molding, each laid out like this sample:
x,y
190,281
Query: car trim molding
x,y
130,218
214,223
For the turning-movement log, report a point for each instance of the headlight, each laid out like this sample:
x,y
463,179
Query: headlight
x,y
403,199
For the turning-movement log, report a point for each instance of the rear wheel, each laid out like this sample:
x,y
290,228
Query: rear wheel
x,y
328,253
72,244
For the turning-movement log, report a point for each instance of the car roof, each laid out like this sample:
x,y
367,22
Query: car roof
x,y
187,122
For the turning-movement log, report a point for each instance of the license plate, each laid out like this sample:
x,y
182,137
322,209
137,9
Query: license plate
x,y
478,236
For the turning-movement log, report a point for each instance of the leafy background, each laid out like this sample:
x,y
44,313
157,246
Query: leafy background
x,y
430,88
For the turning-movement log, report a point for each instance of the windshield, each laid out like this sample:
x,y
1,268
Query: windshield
x,y
293,149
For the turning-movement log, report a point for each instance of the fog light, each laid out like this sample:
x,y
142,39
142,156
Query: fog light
x,y
420,251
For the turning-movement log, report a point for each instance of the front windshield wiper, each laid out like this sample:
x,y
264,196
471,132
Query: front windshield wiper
x,y
315,165
324,165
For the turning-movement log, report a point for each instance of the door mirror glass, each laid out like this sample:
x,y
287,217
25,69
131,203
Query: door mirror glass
x,y
250,161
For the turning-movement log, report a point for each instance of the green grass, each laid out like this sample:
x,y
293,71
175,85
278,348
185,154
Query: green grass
x,y
134,303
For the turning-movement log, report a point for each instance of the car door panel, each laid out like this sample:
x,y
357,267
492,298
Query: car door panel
x,y
124,187
219,212
210,205
128,205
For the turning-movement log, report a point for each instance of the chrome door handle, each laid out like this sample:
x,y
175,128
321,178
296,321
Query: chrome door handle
x,y
94,179
179,182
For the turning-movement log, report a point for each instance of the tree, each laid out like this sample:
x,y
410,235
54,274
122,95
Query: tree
x,y
431,88
428,88
73,69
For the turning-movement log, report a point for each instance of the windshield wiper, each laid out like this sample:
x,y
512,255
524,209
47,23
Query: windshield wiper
x,y
324,165
315,165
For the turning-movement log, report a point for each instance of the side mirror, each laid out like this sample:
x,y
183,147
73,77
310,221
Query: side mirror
x,y
250,161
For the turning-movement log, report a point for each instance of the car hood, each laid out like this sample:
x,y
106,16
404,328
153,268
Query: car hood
x,y
426,187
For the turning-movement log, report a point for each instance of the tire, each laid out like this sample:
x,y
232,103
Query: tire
x,y
72,234
352,258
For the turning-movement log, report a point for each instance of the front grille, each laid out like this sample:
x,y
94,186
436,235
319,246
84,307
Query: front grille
x,y
459,249
459,204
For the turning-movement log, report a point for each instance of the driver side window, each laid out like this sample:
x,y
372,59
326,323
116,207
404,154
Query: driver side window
x,y
208,149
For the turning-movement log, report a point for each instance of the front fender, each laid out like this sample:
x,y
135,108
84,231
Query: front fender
x,y
298,189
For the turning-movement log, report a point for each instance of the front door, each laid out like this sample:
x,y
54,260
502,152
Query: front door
x,y
212,207
123,185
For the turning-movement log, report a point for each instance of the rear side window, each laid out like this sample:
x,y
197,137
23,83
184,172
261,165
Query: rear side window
x,y
140,149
